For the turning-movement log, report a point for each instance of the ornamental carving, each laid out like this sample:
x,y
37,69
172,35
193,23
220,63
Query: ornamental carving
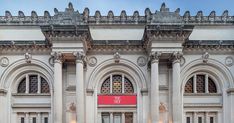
x,y
57,56
141,61
116,57
72,107
229,61
4,61
92,61
80,56
28,57
205,57
155,56
176,56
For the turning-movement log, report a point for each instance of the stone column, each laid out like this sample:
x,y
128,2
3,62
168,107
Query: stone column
x,y
99,117
154,91
134,117
177,106
111,117
27,120
58,88
80,104
230,92
39,117
195,117
123,117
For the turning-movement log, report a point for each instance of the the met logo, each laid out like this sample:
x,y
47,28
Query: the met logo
x,y
117,99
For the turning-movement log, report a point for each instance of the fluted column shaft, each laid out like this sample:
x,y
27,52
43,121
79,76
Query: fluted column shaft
x,y
58,86
154,91
176,93
80,104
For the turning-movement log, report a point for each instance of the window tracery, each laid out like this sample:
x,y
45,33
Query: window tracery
x,y
200,83
117,84
33,84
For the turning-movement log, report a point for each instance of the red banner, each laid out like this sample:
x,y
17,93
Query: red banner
x,y
117,99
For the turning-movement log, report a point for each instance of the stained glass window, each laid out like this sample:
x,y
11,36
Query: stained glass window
x,y
189,86
22,86
117,85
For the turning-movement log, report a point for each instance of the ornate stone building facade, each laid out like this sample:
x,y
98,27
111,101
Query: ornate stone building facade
x,y
161,67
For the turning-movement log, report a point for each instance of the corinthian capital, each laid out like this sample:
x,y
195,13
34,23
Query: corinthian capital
x,y
155,56
58,57
176,56
79,56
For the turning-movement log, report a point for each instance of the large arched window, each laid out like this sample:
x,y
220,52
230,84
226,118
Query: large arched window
x,y
200,83
33,84
117,84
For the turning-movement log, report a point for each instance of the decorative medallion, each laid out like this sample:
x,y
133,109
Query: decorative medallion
x,y
229,61
205,57
92,61
117,57
28,57
141,61
4,61
182,61
51,61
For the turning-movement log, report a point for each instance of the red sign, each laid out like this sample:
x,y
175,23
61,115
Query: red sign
x,y
117,99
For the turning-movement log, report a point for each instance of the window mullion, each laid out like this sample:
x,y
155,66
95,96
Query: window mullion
x,y
39,83
206,83
195,84
111,81
123,84
27,83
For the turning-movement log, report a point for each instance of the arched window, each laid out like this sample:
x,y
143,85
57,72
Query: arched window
x,y
33,84
117,84
200,83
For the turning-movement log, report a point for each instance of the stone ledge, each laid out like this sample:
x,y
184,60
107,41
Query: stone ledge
x,y
3,92
230,90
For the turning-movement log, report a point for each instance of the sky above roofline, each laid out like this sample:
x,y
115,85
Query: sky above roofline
x,y
116,6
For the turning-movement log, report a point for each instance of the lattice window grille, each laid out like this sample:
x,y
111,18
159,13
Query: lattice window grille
x,y
203,84
117,84
211,86
189,86
22,86
33,84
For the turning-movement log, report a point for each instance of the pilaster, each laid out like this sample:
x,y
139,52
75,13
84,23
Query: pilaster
x,y
177,108
58,91
80,95
154,103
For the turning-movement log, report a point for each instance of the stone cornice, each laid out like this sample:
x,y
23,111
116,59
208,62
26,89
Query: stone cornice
x,y
230,90
72,17
3,92
203,105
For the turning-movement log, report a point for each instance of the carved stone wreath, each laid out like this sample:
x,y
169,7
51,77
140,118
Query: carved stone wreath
x,y
92,61
4,61
229,61
141,61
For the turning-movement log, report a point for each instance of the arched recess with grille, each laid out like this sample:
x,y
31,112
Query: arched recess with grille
x,y
117,83
101,74
201,83
221,77
10,79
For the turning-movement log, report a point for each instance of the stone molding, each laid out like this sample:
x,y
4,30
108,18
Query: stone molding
x,y
155,56
3,92
57,56
72,17
176,56
230,90
80,57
